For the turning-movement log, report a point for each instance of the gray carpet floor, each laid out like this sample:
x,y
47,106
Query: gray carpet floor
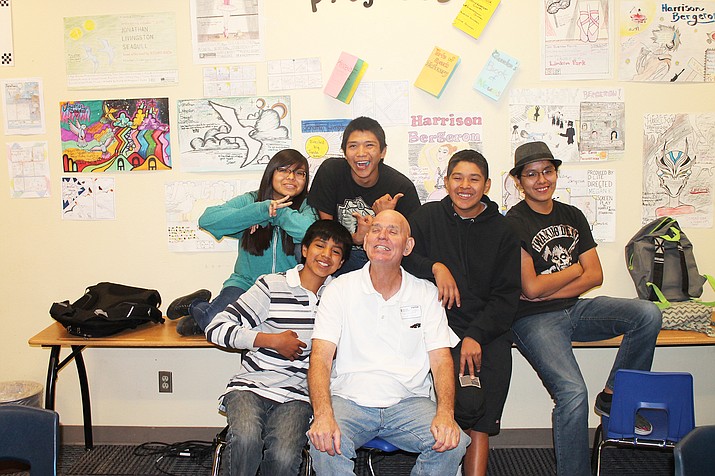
x,y
119,460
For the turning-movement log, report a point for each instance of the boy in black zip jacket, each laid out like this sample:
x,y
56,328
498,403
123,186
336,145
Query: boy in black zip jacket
x,y
464,246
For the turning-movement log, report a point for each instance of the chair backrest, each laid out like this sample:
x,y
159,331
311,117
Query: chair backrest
x,y
30,435
664,398
694,455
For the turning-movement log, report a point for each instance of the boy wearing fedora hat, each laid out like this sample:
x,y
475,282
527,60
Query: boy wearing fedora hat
x,y
559,263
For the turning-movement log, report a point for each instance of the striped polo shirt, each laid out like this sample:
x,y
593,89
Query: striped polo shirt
x,y
276,303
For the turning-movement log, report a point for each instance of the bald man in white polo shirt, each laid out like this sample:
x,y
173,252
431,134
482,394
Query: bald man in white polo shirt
x,y
386,330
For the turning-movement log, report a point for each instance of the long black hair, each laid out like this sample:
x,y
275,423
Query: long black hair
x,y
260,240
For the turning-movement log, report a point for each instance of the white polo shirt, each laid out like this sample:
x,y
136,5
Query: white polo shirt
x,y
382,346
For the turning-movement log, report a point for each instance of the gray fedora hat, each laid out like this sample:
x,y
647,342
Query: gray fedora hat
x,y
531,152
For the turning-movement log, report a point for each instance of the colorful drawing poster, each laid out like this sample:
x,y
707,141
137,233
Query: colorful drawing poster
x,y
186,201
578,125
115,135
496,74
431,140
88,198
593,191
232,134
7,55
227,31
388,102
29,169
667,41
678,168
23,106
233,80
121,50
577,42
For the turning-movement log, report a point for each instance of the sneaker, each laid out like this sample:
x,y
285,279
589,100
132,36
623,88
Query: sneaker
x,y
642,427
602,407
188,326
179,307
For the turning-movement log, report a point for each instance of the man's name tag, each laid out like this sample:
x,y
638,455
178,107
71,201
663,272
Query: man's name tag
x,y
467,381
410,312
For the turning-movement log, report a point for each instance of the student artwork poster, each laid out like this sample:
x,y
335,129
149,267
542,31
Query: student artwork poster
x,y
667,41
227,31
678,168
121,50
431,142
232,134
88,198
185,201
577,41
115,135
578,125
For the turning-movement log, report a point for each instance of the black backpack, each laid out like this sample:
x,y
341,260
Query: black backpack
x,y
108,308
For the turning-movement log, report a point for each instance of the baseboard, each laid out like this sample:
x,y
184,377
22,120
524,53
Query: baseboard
x,y
134,435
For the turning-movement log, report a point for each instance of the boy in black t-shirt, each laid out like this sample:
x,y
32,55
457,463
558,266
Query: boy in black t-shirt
x,y
354,189
559,262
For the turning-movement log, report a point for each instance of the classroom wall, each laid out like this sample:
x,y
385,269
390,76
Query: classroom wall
x,y
46,259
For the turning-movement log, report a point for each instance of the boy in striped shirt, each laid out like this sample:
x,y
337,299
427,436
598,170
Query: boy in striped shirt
x,y
266,402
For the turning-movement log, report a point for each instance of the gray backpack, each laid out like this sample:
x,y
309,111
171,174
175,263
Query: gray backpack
x,y
662,255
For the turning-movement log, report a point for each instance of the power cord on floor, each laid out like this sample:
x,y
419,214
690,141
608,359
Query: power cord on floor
x,y
198,451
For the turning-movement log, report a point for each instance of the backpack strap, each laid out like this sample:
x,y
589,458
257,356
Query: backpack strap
x,y
658,261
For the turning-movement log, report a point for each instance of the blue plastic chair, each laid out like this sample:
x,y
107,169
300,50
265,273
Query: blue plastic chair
x,y
375,446
30,436
694,455
665,399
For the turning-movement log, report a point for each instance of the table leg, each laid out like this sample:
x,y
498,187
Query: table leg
x,y
84,390
51,382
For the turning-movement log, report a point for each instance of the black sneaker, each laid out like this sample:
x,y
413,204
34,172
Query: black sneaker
x,y
188,326
179,307
603,407
603,404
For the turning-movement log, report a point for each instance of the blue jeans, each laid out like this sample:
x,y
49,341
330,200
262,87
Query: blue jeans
x,y
545,340
405,425
265,433
203,311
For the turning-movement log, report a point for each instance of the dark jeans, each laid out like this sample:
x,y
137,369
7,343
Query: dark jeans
x,y
203,311
265,434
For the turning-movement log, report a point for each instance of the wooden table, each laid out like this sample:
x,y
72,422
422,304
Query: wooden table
x,y
147,336
165,336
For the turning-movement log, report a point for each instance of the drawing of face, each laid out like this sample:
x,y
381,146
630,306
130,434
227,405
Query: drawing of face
x,y
558,255
666,37
443,154
674,169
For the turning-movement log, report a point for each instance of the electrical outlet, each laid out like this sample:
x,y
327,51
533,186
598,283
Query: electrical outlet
x,y
165,384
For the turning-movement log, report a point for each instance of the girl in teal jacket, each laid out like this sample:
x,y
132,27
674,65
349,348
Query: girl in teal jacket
x,y
268,224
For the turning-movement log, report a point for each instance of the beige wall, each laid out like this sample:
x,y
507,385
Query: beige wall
x,y
46,259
